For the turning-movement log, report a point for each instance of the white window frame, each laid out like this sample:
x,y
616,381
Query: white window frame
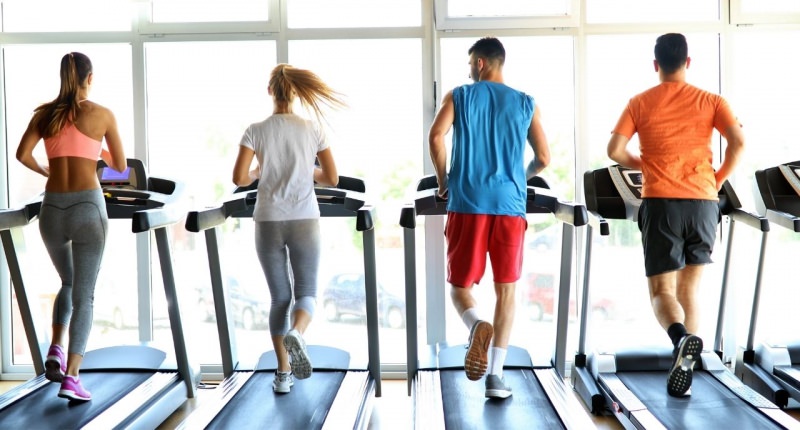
x,y
445,22
739,17
147,26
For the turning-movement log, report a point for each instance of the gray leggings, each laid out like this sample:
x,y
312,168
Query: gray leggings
x,y
74,228
289,255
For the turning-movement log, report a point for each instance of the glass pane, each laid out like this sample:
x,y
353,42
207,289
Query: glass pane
x,y
768,111
32,78
770,6
639,11
506,8
342,13
198,119
617,68
552,89
210,10
27,16
378,138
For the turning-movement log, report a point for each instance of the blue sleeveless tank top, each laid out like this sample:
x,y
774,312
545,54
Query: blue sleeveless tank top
x,y
487,166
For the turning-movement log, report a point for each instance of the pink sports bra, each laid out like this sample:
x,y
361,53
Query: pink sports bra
x,y
72,143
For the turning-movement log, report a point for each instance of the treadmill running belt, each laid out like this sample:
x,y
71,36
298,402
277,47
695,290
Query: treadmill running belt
x,y
466,407
711,405
255,406
54,412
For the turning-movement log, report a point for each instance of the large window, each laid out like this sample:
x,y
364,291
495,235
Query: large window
x,y
552,88
376,138
617,68
201,97
31,78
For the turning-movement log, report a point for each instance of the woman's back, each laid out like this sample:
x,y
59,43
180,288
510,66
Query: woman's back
x,y
78,173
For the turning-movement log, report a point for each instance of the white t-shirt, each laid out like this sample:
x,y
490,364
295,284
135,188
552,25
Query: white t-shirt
x,y
286,146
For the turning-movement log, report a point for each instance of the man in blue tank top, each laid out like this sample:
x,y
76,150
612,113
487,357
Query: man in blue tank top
x,y
486,192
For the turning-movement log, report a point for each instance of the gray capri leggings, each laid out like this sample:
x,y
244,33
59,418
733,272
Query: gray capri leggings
x,y
74,227
289,255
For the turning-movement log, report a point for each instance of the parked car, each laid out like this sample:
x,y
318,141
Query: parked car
x,y
540,293
545,239
249,302
345,295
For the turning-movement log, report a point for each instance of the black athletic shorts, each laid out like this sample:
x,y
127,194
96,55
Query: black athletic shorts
x,y
677,232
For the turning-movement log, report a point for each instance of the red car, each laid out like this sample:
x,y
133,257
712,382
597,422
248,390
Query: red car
x,y
540,297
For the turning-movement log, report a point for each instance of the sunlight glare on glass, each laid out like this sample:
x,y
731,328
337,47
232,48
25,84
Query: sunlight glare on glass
x,y
210,10
639,11
506,8
339,14
770,6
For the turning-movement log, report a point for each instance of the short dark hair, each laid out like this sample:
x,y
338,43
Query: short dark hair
x,y
671,52
489,48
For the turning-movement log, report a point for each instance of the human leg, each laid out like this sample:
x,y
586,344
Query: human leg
x,y
271,252
466,262
303,247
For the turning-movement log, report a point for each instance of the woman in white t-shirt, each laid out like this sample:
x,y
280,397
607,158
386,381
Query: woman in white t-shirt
x,y
286,213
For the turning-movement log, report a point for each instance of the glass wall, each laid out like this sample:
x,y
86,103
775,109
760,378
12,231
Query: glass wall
x,y
195,77
31,78
553,89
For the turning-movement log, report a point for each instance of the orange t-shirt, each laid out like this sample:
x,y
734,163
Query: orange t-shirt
x,y
675,122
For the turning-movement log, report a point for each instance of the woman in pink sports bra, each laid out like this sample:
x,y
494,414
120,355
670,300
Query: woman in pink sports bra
x,y
72,221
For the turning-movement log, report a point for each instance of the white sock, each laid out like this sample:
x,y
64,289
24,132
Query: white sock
x,y
497,358
470,317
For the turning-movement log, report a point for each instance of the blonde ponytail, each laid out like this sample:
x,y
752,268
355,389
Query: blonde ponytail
x,y
287,82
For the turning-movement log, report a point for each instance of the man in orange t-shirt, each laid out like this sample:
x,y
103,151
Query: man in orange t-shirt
x,y
679,212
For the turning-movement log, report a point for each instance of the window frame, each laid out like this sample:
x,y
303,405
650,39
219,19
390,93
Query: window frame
x,y
445,22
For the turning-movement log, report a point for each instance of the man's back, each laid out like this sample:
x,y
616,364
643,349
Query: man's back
x,y
675,122
490,128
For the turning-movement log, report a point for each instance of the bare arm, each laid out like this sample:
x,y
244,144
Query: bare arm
x,y
618,151
733,154
241,170
538,141
115,156
438,152
30,138
326,174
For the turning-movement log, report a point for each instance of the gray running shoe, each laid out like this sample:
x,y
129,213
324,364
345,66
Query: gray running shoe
x,y
496,387
476,359
680,375
298,355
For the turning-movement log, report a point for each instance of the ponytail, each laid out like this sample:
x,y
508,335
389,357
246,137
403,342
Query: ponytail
x,y
49,118
287,82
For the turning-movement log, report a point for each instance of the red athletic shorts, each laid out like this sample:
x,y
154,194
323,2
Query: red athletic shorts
x,y
471,236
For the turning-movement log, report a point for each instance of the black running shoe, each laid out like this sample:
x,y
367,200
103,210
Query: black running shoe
x,y
680,375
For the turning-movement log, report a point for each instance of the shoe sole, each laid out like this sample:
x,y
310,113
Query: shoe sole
x,y
52,369
498,394
476,360
301,364
680,376
281,391
71,395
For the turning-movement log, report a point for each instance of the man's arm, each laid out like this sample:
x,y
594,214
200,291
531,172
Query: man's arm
x,y
733,153
538,141
438,152
618,151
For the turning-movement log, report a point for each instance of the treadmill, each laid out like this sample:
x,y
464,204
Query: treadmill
x,y
443,396
132,386
773,369
339,394
631,383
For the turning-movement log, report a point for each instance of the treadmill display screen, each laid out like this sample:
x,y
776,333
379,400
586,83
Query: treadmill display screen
x,y
111,175
633,177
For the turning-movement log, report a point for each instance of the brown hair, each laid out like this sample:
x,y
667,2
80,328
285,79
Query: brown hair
x,y
287,82
49,118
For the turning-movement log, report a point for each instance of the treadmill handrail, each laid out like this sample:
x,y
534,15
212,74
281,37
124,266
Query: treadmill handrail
x,y
21,216
784,219
241,201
